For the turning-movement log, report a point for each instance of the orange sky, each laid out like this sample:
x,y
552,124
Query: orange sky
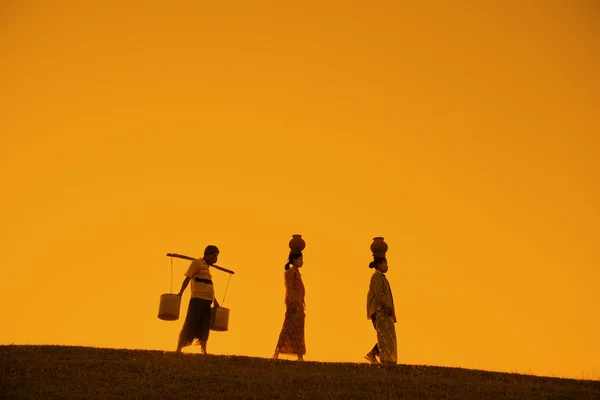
x,y
466,135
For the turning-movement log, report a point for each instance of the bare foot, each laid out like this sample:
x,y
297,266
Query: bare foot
x,y
371,358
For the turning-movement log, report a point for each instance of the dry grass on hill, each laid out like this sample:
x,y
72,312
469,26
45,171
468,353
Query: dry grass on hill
x,y
59,372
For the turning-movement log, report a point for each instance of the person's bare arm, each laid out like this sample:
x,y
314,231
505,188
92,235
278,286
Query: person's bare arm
x,y
184,285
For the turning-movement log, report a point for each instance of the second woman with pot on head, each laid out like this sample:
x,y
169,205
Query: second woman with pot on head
x,y
291,338
380,307
381,311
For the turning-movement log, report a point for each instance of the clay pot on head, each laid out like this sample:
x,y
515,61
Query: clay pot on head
x,y
379,247
297,244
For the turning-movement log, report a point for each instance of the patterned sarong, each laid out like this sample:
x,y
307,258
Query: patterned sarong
x,y
291,338
386,338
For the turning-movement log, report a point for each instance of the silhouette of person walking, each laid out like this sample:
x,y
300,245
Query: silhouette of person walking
x,y
196,327
381,311
291,338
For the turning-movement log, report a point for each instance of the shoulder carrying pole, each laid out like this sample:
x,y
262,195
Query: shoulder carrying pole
x,y
192,259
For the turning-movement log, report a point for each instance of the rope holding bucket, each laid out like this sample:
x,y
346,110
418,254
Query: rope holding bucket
x,y
225,294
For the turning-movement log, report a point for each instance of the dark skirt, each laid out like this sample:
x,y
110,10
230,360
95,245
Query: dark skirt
x,y
197,322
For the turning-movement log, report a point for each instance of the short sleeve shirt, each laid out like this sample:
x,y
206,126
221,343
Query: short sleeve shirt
x,y
201,280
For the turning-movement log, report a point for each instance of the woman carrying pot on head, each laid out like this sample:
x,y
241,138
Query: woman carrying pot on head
x,y
291,338
380,310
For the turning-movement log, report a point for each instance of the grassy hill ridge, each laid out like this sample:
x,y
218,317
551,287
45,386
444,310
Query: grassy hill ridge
x,y
64,372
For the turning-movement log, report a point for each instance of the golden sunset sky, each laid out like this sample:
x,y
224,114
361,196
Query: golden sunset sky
x,y
467,134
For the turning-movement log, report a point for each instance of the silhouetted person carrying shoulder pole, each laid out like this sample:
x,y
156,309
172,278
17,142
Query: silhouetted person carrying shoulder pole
x,y
196,327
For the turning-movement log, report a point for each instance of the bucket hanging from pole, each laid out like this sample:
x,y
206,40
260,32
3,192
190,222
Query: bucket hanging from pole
x,y
170,303
168,310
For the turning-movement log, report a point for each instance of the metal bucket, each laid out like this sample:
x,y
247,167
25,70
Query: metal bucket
x,y
168,310
220,319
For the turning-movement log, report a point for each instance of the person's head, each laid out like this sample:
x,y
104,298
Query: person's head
x,y
294,259
380,264
211,254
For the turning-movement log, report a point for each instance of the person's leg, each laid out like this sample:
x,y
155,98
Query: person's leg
x,y
374,353
280,340
179,345
371,357
375,350
184,335
205,322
